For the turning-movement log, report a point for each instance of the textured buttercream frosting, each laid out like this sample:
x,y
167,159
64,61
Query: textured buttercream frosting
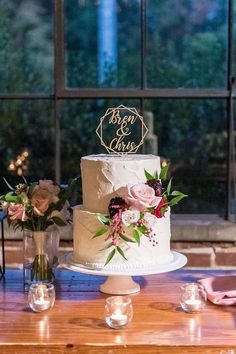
x,y
102,177
88,251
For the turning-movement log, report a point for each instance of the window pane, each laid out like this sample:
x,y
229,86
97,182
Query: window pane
x,y
26,50
103,43
192,138
186,43
26,126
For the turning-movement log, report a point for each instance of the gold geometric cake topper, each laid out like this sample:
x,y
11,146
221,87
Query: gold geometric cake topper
x,y
121,130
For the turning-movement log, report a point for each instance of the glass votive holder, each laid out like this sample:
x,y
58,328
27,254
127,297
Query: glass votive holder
x,y
41,296
118,311
193,297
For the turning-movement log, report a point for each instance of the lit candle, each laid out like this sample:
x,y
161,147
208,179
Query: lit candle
x,y
118,318
40,303
193,297
41,297
193,304
118,311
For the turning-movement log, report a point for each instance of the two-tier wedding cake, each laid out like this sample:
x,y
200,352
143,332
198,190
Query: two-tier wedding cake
x,y
124,220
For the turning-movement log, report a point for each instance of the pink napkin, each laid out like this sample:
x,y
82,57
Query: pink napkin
x,y
221,290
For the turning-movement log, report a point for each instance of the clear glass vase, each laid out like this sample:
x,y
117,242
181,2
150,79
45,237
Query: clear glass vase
x,y
40,255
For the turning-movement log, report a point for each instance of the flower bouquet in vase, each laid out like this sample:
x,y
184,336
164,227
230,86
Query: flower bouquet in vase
x,y
40,254
38,208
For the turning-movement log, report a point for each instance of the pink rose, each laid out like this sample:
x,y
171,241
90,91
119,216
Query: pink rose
x,y
140,196
16,212
51,188
43,195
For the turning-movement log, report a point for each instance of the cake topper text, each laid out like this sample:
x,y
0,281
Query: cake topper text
x,y
121,130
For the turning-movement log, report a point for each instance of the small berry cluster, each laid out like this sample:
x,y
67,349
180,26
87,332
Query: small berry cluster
x,y
116,227
148,233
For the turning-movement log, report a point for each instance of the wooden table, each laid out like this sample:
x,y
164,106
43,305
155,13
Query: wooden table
x,y
76,322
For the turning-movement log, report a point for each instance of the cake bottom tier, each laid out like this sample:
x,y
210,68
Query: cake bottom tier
x,y
90,251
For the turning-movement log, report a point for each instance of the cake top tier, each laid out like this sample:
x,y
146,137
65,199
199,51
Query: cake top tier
x,y
103,175
118,158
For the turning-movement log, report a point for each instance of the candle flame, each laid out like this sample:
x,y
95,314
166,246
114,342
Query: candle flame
x,y
40,293
118,312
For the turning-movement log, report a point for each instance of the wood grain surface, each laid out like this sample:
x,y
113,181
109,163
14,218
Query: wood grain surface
x,y
76,322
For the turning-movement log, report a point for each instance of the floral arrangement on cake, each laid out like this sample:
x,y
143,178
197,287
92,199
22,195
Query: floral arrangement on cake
x,y
135,211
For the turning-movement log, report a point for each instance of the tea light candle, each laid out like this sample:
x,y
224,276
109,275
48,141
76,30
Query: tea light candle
x,y
118,311
41,297
41,305
193,297
118,319
193,304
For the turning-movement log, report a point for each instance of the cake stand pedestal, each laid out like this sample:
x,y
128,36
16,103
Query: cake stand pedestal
x,y
120,285
120,282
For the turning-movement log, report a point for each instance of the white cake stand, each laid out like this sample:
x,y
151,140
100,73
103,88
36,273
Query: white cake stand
x,y
120,282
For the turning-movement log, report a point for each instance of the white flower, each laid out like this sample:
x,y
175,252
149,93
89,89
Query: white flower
x,y
130,216
150,220
4,206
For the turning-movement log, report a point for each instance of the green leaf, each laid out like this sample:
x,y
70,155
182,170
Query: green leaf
x,y
110,256
148,175
156,175
106,247
103,219
101,232
175,193
142,229
163,210
49,223
121,252
169,186
10,198
125,238
163,172
150,210
136,236
175,200
58,221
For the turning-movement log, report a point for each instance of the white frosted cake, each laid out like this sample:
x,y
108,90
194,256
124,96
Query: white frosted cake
x,y
105,177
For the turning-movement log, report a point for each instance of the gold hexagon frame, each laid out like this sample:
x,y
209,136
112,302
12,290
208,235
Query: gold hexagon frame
x,y
99,129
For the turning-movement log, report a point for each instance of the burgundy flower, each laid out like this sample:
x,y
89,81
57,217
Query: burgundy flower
x,y
157,211
115,205
156,185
